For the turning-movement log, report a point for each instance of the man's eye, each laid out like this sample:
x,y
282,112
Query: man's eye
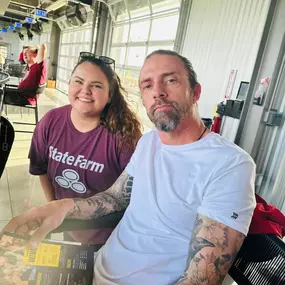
x,y
78,81
171,80
147,86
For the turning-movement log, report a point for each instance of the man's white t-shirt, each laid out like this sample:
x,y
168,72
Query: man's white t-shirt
x,y
172,184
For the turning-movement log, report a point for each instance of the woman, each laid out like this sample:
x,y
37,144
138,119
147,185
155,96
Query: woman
x,y
81,149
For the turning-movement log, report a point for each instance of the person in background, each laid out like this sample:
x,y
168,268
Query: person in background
x,y
36,74
21,56
188,193
81,149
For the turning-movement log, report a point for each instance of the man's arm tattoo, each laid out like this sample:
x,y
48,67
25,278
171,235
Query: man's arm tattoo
x,y
116,198
213,249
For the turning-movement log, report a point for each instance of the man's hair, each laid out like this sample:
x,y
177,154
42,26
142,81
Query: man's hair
x,y
33,49
187,64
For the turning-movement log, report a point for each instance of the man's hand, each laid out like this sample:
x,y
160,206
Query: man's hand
x,y
212,250
46,218
42,220
42,52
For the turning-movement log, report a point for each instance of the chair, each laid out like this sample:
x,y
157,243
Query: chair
x,y
32,93
16,70
7,136
261,260
7,133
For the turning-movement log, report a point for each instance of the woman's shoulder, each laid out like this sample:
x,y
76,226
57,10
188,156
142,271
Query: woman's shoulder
x,y
56,114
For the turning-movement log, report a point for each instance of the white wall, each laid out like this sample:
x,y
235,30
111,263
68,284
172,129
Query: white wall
x,y
223,35
251,128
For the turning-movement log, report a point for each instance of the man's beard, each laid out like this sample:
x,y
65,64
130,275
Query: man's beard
x,y
168,120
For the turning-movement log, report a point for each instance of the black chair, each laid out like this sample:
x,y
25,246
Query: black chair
x,y
7,133
16,70
31,93
261,260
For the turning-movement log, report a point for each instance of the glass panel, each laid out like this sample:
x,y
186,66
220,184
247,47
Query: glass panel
x,y
159,6
118,54
153,48
121,73
87,34
71,37
120,34
65,38
139,31
122,11
138,8
130,79
136,56
164,28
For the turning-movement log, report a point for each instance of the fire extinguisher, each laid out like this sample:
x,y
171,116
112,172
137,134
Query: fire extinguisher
x,y
217,122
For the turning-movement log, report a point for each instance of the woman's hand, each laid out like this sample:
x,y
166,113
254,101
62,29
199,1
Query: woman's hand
x,y
40,220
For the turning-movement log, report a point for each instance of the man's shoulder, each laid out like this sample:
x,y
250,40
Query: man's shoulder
x,y
228,151
148,137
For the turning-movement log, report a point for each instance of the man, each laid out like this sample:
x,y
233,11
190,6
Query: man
x,y
35,76
188,193
21,56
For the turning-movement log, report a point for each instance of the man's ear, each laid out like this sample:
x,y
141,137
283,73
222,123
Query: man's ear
x,y
197,92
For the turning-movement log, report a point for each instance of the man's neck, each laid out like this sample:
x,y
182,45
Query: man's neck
x,y
188,131
31,63
84,124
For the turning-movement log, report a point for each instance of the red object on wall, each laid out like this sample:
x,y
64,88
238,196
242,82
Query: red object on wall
x,y
217,122
21,57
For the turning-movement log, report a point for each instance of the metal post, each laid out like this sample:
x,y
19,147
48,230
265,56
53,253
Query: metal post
x,y
102,31
94,8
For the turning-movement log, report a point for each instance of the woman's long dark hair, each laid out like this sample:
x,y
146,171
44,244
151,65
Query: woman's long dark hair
x,y
117,116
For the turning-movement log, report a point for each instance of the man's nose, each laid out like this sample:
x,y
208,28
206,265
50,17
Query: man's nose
x,y
159,91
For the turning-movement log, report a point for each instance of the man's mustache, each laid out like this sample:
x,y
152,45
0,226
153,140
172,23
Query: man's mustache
x,y
160,102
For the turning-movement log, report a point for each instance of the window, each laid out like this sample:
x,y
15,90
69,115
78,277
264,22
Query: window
x,y
152,25
139,31
164,28
118,54
136,56
72,42
4,51
120,34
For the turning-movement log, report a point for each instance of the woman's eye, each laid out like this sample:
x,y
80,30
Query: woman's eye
x,y
98,86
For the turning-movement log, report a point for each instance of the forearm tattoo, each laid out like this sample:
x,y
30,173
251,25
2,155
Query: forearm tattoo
x,y
213,248
114,199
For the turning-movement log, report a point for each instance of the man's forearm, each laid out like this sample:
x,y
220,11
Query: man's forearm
x,y
114,199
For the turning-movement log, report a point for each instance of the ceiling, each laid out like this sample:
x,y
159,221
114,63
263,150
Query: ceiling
x,y
17,10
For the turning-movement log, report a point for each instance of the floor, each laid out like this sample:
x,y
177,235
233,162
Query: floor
x,y
18,189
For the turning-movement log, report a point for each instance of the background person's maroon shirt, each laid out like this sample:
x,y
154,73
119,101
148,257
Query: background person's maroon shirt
x,y
35,76
78,164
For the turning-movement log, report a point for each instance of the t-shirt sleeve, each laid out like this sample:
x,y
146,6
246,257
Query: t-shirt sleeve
x,y
38,150
229,197
131,167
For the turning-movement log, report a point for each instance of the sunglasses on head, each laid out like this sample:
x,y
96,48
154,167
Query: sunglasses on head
x,y
92,56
